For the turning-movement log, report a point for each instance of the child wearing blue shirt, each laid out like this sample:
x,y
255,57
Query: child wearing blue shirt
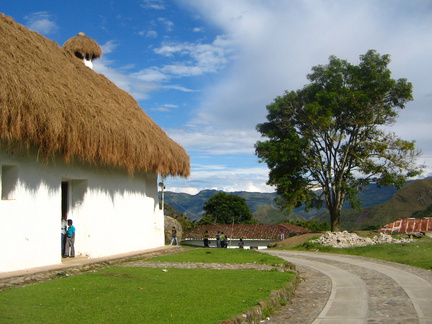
x,y
70,241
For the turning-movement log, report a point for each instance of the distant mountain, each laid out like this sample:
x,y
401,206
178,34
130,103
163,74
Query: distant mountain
x,y
192,205
414,196
264,208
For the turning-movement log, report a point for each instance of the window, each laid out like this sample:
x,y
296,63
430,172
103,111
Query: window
x,y
9,180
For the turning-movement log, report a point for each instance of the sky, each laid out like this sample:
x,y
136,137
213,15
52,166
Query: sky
x,y
205,70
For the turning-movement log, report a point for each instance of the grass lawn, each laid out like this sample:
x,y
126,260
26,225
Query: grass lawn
x,y
144,295
417,253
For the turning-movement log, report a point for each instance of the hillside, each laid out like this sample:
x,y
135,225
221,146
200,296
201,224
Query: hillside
x,y
414,196
264,208
272,215
192,205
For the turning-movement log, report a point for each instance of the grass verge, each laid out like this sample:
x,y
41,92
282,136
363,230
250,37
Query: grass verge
x,y
417,253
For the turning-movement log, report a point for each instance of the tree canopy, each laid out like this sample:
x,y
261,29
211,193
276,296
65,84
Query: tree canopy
x,y
184,220
333,135
223,208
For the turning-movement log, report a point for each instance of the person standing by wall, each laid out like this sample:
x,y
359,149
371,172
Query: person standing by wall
x,y
70,241
217,239
206,239
174,236
222,240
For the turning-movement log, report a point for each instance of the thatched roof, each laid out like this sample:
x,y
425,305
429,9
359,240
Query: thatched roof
x,y
50,100
83,44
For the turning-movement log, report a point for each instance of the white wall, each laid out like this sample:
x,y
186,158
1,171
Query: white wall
x,y
112,212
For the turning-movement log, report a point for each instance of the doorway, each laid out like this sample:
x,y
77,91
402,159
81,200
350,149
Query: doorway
x,y
64,198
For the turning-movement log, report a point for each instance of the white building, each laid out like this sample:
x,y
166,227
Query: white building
x,y
73,142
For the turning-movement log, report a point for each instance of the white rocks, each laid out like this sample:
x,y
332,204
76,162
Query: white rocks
x,y
345,239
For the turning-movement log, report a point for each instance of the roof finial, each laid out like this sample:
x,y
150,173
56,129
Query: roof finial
x,y
81,34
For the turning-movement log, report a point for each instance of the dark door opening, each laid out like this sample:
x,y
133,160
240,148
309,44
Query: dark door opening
x,y
64,198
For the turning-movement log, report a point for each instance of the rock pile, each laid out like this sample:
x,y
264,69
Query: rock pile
x,y
345,239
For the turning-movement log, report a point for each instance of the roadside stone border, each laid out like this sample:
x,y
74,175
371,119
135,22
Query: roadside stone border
x,y
278,299
204,265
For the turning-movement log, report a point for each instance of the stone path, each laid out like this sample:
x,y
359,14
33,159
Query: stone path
x,y
345,289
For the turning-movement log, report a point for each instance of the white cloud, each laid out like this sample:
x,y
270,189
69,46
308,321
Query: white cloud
x,y
191,60
41,22
109,47
195,59
153,4
179,88
139,89
164,108
152,74
169,25
277,44
208,140
151,34
242,179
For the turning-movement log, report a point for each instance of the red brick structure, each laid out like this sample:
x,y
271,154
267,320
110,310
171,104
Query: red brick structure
x,y
408,225
248,231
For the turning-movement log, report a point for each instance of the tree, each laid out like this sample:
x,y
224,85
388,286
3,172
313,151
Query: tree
x,y
222,208
313,226
184,220
331,135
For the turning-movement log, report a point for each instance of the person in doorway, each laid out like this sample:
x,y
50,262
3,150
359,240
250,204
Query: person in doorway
x,y
63,234
206,239
70,241
174,236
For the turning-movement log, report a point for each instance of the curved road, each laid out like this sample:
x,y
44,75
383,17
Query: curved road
x,y
346,289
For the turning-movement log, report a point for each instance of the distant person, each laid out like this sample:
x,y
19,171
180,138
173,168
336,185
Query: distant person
x,y
226,241
174,236
217,239
70,241
282,233
241,244
63,234
206,239
222,240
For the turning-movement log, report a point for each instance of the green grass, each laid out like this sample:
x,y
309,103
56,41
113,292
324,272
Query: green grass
x,y
141,295
222,256
417,253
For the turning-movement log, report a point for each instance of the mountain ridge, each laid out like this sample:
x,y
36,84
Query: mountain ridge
x,y
265,210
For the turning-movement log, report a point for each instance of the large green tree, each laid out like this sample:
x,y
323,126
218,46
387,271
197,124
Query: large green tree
x,y
223,208
332,135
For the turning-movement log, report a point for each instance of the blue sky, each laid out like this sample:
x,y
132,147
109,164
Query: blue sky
x,y
204,70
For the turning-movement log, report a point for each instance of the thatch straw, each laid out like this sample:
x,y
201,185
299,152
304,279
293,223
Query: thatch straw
x,y
83,44
49,99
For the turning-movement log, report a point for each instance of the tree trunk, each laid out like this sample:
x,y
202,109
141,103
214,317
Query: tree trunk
x,y
334,220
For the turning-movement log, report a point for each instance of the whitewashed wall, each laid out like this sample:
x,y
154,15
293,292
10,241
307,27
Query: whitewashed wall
x,y
112,212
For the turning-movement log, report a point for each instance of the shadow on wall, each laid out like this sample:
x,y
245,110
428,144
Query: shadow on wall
x,y
77,173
